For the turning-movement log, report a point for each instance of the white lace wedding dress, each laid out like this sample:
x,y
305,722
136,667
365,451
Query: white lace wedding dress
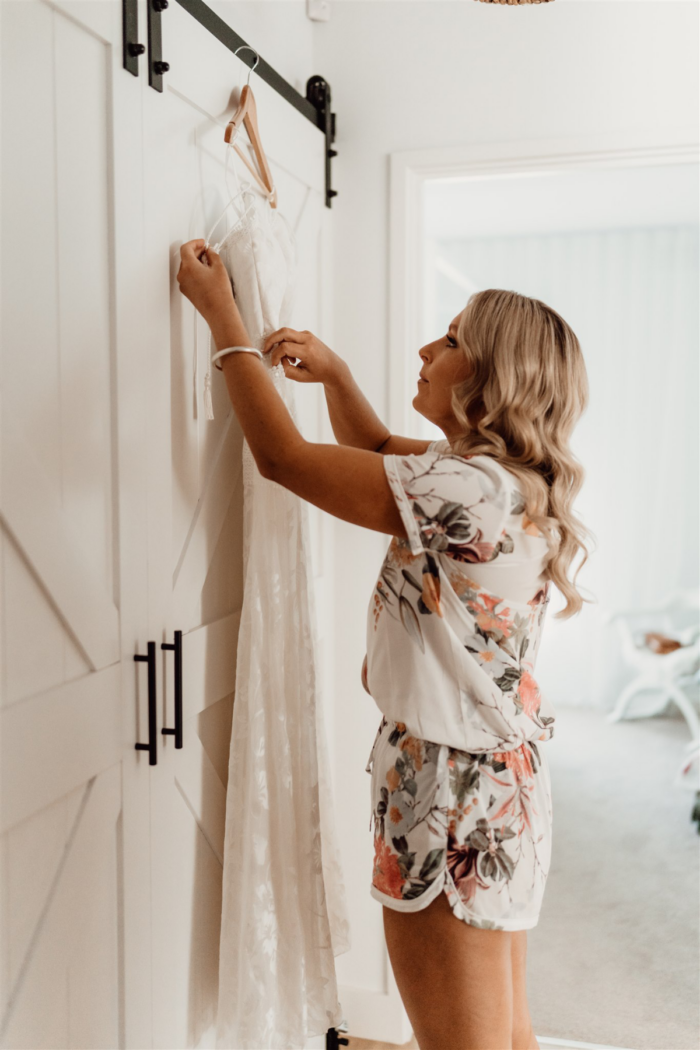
x,y
284,914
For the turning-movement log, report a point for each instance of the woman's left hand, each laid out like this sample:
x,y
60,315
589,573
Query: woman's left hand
x,y
203,279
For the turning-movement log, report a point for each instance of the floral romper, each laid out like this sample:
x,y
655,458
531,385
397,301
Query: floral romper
x,y
460,790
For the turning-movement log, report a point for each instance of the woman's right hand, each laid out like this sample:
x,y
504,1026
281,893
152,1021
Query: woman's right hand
x,y
317,363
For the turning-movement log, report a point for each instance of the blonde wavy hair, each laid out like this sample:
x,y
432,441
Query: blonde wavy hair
x,y
526,390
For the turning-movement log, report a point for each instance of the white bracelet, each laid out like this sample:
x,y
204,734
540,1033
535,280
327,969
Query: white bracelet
x,y
232,349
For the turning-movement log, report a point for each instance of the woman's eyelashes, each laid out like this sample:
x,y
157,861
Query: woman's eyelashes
x,y
451,341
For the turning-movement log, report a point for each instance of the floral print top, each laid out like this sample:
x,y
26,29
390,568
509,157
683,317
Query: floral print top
x,y
455,619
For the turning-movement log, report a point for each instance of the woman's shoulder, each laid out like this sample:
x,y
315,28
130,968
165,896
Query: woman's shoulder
x,y
494,477
505,487
483,462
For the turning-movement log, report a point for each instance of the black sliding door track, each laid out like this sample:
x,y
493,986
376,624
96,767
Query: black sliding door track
x,y
316,107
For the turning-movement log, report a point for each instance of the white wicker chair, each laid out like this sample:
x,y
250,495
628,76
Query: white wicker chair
x,y
677,616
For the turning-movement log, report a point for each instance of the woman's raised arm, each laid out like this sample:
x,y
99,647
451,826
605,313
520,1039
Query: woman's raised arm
x,y
349,483
354,421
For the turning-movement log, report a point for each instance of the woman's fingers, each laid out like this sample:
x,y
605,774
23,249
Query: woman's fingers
x,y
286,344
289,335
296,372
283,349
192,250
189,256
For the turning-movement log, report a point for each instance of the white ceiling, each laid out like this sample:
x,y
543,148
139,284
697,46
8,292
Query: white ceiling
x,y
558,202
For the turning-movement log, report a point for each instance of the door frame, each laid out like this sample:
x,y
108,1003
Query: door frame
x,y
411,169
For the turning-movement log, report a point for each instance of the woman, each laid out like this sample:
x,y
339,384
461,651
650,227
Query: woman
x,y
481,524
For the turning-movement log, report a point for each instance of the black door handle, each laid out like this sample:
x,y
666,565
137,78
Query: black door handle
x,y
152,744
176,646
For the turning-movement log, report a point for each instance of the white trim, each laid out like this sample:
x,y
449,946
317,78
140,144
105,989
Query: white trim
x,y
409,170
560,1044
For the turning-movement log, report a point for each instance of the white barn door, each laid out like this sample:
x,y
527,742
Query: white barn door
x,y
195,488
75,937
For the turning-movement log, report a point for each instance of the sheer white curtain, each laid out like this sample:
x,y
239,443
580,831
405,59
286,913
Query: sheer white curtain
x,y
631,296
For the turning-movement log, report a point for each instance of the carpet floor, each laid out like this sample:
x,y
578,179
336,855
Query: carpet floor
x,y
615,956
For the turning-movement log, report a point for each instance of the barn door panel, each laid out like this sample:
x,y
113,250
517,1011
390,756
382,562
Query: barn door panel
x,y
75,937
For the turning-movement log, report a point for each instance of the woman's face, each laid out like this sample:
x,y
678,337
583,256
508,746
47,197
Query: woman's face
x,y
442,365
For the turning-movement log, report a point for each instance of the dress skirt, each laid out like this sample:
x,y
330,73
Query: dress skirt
x,y
478,826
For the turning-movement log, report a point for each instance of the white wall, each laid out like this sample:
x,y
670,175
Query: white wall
x,y
279,31
413,75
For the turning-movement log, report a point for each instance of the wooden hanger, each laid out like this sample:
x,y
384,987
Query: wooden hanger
x,y
248,115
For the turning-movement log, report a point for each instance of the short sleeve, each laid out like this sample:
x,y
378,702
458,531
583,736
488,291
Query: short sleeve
x,y
451,504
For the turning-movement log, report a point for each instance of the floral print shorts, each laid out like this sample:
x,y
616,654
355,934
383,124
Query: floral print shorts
x,y
478,826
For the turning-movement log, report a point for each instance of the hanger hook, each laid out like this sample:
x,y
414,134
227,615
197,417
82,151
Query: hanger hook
x,y
257,59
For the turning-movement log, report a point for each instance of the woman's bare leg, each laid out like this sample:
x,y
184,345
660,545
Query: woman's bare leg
x,y
523,1035
455,980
